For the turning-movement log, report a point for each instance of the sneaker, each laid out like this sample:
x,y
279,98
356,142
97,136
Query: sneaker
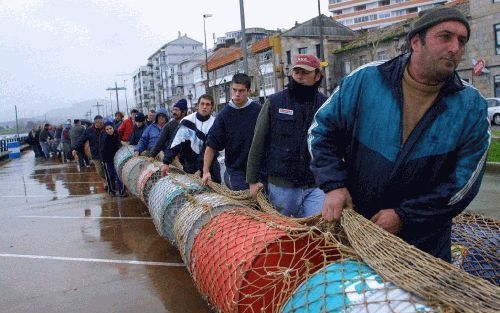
x,y
112,193
123,195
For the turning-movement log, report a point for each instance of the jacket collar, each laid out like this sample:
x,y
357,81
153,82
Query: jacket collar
x,y
393,71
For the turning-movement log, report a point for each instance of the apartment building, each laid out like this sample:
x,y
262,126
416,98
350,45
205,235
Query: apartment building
x,y
366,14
143,88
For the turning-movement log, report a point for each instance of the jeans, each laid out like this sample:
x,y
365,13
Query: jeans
x,y
296,201
235,180
45,149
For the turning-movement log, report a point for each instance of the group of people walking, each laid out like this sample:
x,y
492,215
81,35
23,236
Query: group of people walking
x,y
403,142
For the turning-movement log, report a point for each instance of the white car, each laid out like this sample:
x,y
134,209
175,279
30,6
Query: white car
x,y
494,110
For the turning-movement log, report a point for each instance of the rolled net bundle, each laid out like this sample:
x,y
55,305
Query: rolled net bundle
x,y
198,211
121,156
148,176
165,198
131,171
475,246
411,269
350,285
247,261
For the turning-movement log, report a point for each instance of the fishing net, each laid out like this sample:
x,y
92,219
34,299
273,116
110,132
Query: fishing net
x,y
148,176
121,156
131,171
166,197
475,246
200,209
350,285
418,272
248,261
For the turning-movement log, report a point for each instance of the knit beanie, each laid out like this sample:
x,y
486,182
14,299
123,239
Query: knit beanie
x,y
139,117
182,105
431,17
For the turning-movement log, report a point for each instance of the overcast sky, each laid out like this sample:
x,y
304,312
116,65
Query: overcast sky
x,y
54,53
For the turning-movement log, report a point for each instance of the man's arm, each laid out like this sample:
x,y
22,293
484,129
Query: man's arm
x,y
258,149
162,141
327,139
143,142
207,162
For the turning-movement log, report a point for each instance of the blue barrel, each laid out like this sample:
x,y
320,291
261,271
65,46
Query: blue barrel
x,y
14,149
351,286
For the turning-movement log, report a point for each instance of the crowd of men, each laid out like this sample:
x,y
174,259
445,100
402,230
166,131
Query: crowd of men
x,y
403,142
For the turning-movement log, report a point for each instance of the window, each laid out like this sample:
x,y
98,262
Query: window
x,y
318,51
382,55
303,50
497,86
363,59
288,57
497,38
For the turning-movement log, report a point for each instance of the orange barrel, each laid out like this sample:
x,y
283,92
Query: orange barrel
x,y
166,197
131,171
351,286
147,177
248,261
121,156
194,215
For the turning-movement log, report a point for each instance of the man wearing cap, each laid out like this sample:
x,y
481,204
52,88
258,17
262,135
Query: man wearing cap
x,y
179,111
74,135
280,142
138,129
93,135
127,125
404,142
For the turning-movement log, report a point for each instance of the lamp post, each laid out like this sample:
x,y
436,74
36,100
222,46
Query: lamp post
x,y
126,101
116,88
190,98
205,16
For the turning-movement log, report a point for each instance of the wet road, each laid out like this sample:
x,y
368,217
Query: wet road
x,y
66,246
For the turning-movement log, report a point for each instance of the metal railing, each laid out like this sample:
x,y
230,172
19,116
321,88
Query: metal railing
x,y
5,141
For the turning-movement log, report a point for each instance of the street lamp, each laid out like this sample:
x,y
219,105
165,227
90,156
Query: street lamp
x,y
205,16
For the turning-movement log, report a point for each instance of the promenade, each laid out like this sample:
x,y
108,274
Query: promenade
x,y
67,246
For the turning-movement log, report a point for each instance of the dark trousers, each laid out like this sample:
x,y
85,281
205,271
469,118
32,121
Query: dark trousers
x,y
235,180
112,177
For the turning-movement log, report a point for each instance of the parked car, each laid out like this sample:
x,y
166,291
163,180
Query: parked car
x,y
494,110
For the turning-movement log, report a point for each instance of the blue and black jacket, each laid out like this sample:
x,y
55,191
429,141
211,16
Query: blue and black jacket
x,y
356,142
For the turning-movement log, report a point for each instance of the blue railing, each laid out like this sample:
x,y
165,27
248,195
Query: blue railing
x,y
4,142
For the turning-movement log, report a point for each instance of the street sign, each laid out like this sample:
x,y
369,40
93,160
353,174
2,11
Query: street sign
x,y
478,68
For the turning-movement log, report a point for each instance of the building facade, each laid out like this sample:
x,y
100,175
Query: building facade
x,y
143,88
365,14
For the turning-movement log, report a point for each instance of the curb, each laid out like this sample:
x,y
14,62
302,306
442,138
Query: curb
x,y
493,167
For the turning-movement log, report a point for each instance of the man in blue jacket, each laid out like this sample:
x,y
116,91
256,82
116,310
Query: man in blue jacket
x,y
404,142
151,133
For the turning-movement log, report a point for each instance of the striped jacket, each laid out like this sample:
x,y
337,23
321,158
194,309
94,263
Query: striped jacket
x,y
356,142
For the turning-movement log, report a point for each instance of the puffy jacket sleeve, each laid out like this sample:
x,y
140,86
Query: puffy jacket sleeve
x,y
328,137
452,195
144,141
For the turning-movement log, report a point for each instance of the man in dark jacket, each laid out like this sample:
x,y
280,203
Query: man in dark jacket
x,y
280,142
138,129
179,111
74,134
93,136
404,142
233,132
45,138
34,141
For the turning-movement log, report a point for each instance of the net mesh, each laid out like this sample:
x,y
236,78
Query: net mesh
x,y
131,171
244,260
121,156
148,176
194,214
475,246
166,197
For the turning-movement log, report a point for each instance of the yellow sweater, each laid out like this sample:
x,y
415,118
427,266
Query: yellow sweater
x,y
418,98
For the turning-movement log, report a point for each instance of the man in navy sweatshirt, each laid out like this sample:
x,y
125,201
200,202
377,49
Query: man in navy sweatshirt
x,y
233,132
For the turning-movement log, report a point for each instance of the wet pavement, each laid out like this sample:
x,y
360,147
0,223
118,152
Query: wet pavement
x,y
67,246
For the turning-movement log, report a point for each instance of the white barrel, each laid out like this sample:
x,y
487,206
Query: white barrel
x,y
14,149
